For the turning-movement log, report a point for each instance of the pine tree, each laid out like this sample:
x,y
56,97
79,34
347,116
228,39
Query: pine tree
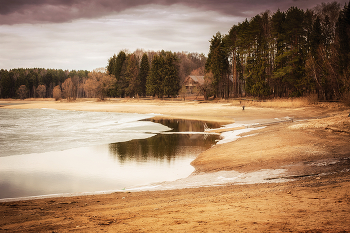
x,y
277,32
132,81
171,82
316,37
116,67
258,61
290,62
155,78
217,63
144,70
343,36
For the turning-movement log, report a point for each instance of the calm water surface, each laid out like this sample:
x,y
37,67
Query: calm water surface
x,y
45,151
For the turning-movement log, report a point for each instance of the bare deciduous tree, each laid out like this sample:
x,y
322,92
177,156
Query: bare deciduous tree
x,y
99,84
68,89
90,86
41,91
198,72
57,92
22,92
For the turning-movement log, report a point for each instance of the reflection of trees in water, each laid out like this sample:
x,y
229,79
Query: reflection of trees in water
x,y
165,146
179,125
160,147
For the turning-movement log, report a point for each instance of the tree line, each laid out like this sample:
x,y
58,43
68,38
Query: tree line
x,y
281,54
134,74
284,54
37,82
152,73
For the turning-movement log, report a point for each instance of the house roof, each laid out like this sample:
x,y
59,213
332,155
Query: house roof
x,y
198,79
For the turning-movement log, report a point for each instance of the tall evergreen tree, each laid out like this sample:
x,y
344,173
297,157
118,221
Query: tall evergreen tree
x,y
343,36
314,65
7,85
155,78
171,82
112,63
144,70
132,81
316,37
258,61
277,33
232,39
116,67
217,63
290,63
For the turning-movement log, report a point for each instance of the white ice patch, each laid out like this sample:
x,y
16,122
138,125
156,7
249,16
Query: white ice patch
x,y
230,136
26,131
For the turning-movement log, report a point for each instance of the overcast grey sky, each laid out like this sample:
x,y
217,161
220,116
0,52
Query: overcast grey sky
x,y
83,34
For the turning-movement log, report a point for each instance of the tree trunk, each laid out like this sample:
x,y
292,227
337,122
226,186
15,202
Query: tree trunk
x,y
234,75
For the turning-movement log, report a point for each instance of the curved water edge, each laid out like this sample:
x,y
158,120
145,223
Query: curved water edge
x,y
80,142
78,157
217,179
26,131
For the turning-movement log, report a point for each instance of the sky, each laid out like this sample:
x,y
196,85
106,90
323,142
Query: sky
x,y
84,34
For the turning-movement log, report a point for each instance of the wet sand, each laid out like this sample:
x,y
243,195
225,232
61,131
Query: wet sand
x,y
315,153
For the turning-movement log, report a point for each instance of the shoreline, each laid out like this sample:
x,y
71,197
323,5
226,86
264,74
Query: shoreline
x,y
225,112
197,112
154,186
316,153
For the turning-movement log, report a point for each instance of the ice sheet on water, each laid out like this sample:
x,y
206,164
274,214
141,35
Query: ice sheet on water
x,y
24,131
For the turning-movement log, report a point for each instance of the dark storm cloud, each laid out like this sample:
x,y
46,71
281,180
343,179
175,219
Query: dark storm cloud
x,y
57,11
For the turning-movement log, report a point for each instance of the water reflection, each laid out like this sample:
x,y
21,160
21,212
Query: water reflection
x,y
163,157
179,125
161,147
166,146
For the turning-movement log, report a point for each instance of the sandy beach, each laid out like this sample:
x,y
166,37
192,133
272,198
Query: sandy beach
x,y
312,196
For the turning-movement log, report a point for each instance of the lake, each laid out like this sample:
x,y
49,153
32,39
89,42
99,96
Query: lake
x,y
47,152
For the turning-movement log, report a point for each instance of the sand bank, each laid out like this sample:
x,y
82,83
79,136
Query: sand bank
x,y
224,111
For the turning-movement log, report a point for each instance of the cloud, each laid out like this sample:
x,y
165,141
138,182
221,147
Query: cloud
x,y
58,11
83,34
88,43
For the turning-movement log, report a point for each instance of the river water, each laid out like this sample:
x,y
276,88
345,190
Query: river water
x,y
46,151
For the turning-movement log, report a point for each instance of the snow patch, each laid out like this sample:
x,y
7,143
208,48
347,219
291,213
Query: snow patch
x,y
230,136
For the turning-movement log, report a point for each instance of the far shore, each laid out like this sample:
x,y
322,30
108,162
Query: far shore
x,y
314,148
223,111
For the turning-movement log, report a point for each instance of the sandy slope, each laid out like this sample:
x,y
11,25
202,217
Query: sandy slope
x,y
316,154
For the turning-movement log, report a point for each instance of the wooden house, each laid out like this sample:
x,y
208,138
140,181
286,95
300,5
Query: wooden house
x,y
193,83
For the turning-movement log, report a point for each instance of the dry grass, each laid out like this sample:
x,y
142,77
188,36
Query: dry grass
x,y
338,123
282,102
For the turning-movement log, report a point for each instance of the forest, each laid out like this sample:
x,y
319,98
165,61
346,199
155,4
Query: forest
x,y
36,82
284,54
281,54
152,73
127,74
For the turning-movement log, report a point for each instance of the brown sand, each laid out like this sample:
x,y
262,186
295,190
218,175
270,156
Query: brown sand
x,y
315,152
225,111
